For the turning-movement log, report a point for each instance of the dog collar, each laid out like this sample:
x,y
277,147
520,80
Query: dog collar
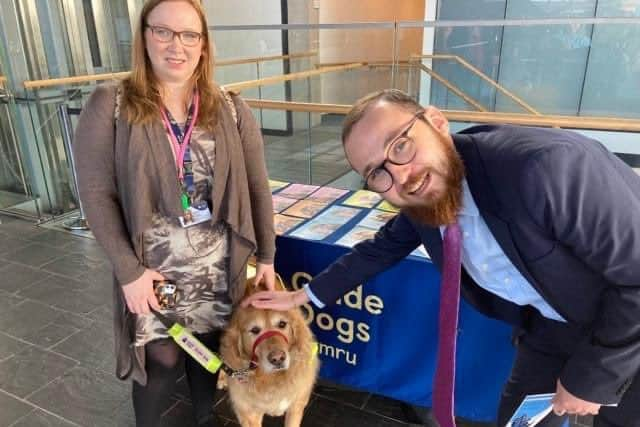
x,y
263,336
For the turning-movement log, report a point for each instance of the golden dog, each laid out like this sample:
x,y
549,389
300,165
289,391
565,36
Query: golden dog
x,y
278,346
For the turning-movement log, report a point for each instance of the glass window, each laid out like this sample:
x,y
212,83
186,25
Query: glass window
x,y
545,65
480,46
611,83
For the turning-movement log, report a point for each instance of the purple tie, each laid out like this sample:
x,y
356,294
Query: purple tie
x,y
445,376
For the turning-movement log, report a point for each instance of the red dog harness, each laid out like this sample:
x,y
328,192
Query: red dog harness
x,y
263,336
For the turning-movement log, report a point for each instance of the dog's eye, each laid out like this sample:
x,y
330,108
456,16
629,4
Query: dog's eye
x,y
255,330
282,324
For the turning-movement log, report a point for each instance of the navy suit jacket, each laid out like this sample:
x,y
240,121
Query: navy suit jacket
x,y
566,212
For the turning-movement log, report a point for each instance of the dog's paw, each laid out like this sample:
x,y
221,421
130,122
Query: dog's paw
x,y
222,381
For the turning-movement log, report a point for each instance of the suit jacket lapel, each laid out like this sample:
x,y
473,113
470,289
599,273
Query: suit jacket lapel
x,y
433,243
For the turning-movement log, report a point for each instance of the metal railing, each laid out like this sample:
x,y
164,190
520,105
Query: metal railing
x,y
78,222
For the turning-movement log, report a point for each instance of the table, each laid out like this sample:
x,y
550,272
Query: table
x,y
382,336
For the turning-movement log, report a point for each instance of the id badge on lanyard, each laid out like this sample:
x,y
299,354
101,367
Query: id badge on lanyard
x,y
194,211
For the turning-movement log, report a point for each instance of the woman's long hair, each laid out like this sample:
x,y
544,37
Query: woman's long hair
x,y
141,89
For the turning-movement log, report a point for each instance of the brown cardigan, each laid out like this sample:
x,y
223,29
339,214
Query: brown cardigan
x,y
126,172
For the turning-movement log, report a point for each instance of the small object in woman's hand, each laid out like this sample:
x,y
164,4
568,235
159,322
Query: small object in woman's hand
x,y
166,293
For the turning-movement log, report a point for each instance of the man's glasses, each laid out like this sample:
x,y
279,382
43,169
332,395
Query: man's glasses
x,y
400,151
165,35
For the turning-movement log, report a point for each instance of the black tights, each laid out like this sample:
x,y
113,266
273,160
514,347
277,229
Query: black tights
x,y
163,366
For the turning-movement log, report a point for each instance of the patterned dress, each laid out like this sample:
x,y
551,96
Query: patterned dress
x,y
196,258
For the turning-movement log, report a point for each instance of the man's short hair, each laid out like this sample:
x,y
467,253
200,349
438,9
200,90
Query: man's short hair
x,y
392,96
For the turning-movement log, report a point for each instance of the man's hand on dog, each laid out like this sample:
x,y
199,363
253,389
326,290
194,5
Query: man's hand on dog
x,y
267,273
139,293
276,300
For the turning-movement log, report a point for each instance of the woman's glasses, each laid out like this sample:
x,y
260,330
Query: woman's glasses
x,y
165,35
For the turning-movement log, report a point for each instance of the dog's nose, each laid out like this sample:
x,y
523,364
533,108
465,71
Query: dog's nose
x,y
276,358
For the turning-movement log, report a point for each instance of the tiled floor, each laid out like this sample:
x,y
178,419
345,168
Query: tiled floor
x,y
56,362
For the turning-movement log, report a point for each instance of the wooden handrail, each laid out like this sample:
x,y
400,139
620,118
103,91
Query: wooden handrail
x,y
546,120
573,122
232,86
291,76
35,84
300,107
453,88
484,77
265,58
569,122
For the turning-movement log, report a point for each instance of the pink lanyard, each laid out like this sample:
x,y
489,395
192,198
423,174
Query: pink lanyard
x,y
180,149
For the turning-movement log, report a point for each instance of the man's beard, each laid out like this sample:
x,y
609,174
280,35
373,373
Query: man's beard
x,y
445,208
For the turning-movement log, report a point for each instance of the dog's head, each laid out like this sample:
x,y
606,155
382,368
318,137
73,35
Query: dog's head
x,y
271,339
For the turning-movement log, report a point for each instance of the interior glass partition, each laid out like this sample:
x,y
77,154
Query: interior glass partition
x,y
611,84
576,73
41,40
15,191
300,97
42,105
329,66
584,66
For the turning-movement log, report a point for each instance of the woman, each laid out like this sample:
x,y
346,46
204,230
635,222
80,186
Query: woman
x,y
174,183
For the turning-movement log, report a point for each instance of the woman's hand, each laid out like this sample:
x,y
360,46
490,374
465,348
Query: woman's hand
x,y
139,294
267,273
276,300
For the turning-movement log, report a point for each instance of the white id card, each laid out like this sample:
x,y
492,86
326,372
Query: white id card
x,y
197,213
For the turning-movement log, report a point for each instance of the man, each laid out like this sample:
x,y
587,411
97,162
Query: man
x,y
551,243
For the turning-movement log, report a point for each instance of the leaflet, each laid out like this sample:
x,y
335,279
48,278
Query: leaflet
x,y
327,194
313,230
283,223
533,409
326,223
386,206
356,235
298,191
305,208
376,219
281,203
363,199
276,185
337,215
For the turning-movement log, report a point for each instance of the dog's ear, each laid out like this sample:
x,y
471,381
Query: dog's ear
x,y
231,347
301,335
250,288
